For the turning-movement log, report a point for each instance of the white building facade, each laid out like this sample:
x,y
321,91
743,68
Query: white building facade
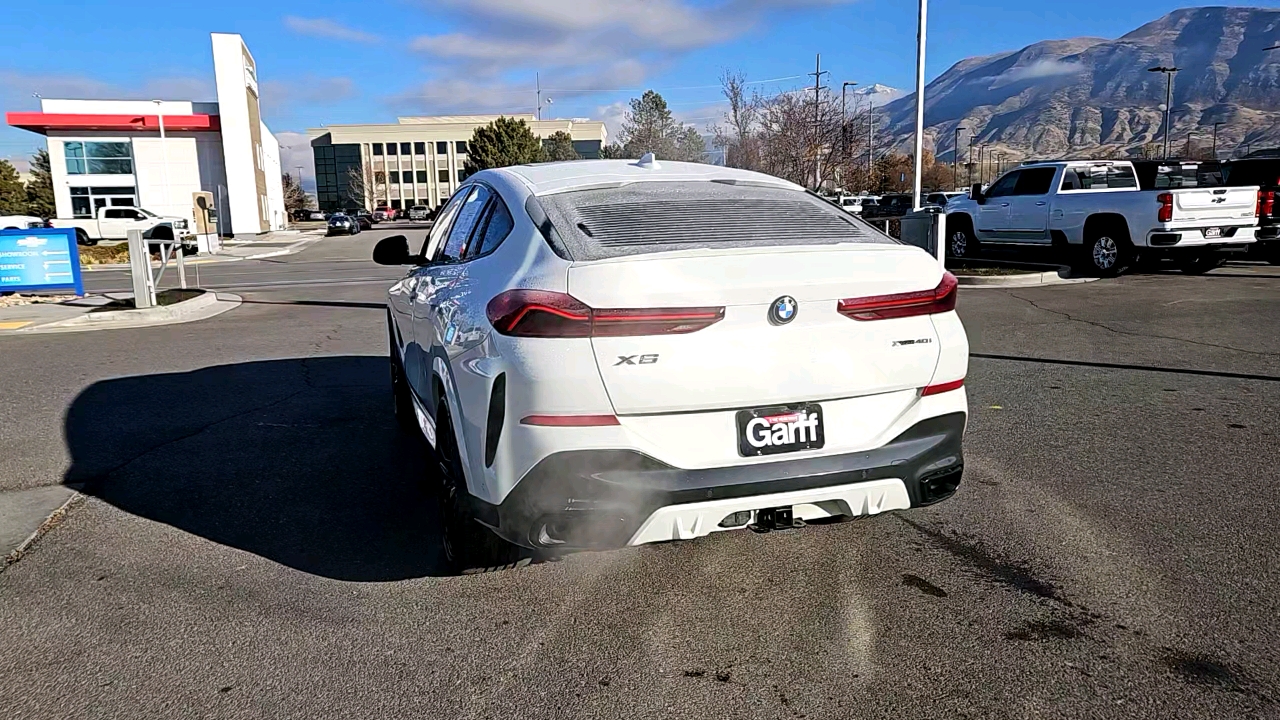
x,y
158,154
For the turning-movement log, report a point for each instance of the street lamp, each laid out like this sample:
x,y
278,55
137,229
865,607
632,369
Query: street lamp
x,y
1215,139
1169,72
164,152
955,156
1190,135
844,123
922,25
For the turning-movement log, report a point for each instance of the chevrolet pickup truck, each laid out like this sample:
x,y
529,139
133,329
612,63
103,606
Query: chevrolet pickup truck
x,y
114,223
1096,212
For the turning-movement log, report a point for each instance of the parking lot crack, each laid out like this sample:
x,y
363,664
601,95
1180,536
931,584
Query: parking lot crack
x,y
1132,333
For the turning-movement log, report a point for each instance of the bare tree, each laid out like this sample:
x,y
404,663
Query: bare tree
x,y
738,134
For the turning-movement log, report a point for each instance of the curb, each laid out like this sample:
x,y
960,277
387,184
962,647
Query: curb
x,y
206,305
1053,277
308,237
43,529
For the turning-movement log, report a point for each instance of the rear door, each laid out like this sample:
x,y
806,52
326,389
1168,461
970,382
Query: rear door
x,y
751,359
114,223
1028,219
1207,206
993,213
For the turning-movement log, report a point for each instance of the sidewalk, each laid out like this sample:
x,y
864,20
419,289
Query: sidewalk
x,y
81,314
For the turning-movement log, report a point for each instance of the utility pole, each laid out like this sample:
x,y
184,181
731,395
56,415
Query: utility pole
x,y
921,30
537,83
844,115
955,157
871,137
1168,100
817,74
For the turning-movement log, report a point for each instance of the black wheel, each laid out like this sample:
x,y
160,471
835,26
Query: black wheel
x,y
401,394
1107,252
469,547
82,238
1199,263
961,242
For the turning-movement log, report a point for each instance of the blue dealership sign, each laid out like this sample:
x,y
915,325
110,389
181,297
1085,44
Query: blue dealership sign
x,y
39,259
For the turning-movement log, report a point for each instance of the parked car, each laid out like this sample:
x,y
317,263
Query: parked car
x,y
365,219
22,222
889,206
316,215
419,212
631,411
342,224
851,204
114,223
1097,211
384,212
940,199
1265,173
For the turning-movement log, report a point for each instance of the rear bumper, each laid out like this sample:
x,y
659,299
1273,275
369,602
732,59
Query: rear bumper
x,y
613,498
1195,237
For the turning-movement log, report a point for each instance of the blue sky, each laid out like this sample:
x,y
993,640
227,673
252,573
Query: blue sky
x,y
331,61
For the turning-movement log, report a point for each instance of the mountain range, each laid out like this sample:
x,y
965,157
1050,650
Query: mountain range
x,y
1095,97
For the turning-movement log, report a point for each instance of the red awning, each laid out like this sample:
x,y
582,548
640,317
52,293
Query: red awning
x,y
44,122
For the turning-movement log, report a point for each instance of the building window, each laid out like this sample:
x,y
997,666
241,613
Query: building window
x,y
422,177
442,148
404,148
395,176
85,201
377,148
395,204
380,178
419,148
391,148
99,158
444,175
409,202
460,147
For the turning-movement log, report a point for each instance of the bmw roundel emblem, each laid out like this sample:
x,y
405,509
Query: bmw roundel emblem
x,y
783,310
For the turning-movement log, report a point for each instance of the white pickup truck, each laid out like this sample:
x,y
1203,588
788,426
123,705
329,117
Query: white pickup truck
x,y
114,223
1096,211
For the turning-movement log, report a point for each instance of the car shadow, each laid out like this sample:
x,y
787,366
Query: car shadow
x,y
299,461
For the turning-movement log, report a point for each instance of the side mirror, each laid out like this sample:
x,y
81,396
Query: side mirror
x,y
393,251
975,192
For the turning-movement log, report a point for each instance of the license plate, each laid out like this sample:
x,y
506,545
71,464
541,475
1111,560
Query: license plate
x,y
1213,232
769,431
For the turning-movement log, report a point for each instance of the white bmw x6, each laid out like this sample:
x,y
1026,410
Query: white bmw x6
x,y
610,353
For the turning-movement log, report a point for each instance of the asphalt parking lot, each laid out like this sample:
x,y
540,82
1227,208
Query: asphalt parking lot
x,y
257,540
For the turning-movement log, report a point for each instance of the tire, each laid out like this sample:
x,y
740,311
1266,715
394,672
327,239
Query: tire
x,y
1107,251
82,238
1199,263
401,393
961,242
469,547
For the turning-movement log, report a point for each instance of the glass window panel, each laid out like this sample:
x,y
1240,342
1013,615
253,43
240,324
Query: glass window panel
x,y
80,207
79,191
444,175
391,148
442,148
461,147
107,150
420,148
110,167
395,176
377,148
422,176
74,149
75,167
404,148
499,225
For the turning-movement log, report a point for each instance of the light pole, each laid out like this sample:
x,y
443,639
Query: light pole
x,y
164,153
844,122
1215,139
969,164
871,137
1169,72
955,157
921,31
1190,135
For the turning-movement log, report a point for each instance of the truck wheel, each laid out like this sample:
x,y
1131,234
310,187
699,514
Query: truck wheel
x,y
1199,263
1107,252
469,547
82,238
962,243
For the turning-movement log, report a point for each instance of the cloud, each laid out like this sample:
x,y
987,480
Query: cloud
x,y
328,29
1037,70
281,96
16,88
611,43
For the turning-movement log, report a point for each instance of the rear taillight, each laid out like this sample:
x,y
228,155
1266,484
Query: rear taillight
x,y
1166,207
1266,203
570,420
545,314
942,387
923,302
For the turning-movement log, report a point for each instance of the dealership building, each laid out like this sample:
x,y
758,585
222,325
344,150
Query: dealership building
x,y
417,160
172,157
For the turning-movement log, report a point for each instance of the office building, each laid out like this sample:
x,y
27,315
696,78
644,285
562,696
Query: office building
x,y
415,161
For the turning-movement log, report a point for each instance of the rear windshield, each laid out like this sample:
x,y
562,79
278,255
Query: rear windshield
x,y
1154,175
653,217
1252,172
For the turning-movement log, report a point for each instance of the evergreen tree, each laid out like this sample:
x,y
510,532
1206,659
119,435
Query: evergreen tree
x,y
560,147
13,194
649,127
501,143
40,188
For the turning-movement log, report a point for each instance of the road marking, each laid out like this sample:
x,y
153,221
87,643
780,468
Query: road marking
x,y
14,325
